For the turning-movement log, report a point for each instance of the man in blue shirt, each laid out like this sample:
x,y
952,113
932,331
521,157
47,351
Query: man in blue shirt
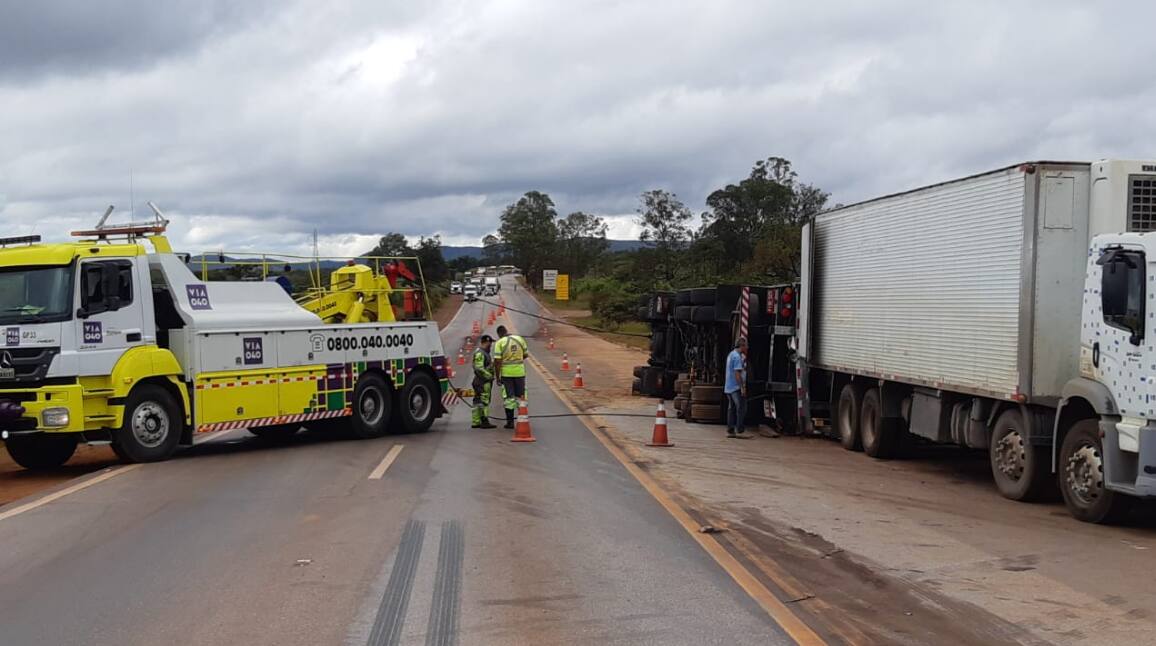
x,y
736,390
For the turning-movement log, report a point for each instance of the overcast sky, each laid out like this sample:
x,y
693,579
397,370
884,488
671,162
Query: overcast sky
x,y
253,122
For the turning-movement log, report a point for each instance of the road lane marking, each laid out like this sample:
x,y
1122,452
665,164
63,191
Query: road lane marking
x,y
782,615
386,461
80,486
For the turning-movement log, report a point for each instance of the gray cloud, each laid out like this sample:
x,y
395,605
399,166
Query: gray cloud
x,y
255,126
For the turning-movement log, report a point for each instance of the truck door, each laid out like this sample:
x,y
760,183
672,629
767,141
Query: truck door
x,y
1120,338
110,315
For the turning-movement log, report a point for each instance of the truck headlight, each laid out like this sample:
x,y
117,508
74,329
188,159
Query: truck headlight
x,y
55,417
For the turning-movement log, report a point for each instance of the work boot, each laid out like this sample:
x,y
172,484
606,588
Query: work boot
x,y
487,424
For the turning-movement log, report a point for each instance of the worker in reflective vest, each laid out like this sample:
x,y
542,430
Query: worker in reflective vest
x,y
510,352
483,383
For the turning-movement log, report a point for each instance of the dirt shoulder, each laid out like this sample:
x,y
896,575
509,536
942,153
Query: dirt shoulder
x,y
915,551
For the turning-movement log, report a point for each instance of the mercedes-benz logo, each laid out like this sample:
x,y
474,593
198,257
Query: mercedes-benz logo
x,y
6,360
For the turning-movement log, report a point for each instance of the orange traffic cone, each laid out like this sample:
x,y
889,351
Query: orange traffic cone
x,y
477,327
565,362
659,437
522,432
551,346
449,371
578,377
461,357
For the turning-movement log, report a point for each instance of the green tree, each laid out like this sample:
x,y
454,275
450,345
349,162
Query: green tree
x,y
757,223
581,241
392,244
665,223
528,232
433,263
462,263
493,251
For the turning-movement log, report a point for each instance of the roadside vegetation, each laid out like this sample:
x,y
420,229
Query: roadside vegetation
x,y
748,233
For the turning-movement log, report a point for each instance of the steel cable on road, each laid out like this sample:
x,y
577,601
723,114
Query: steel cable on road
x,y
588,328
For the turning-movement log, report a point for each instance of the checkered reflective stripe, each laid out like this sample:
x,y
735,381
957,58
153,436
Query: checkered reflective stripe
x,y
271,421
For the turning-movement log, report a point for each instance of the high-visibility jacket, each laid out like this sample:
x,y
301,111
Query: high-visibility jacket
x,y
483,365
511,349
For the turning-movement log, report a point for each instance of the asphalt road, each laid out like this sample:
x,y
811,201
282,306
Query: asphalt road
x,y
466,538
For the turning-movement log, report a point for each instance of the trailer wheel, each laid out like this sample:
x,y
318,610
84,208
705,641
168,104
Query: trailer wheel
x,y
702,314
682,312
41,451
705,413
702,296
1021,471
880,439
706,394
847,419
1082,477
417,403
372,407
151,429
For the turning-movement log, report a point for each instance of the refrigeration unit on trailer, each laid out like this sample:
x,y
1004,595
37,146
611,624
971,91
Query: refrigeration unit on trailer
x,y
105,341
1005,311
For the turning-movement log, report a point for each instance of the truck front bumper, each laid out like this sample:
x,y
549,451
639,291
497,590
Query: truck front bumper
x,y
48,409
1126,471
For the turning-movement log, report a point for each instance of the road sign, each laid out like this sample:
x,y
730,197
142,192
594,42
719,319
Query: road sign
x,y
562,293
549,279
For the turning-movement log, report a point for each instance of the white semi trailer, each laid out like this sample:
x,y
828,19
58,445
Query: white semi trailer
x,y
1005,311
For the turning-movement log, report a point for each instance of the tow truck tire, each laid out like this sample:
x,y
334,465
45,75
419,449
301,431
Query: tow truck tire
x,y
41,451
417,403
847,419
880,439
372,407
1082,477
151,429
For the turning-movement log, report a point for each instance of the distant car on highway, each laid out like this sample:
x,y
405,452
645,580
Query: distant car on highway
x,y
456,287
471,292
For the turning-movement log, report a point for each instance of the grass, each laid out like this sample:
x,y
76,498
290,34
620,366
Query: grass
x,y
629,328
582,304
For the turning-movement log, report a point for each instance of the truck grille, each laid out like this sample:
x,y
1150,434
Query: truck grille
x,y
1142,203
29,365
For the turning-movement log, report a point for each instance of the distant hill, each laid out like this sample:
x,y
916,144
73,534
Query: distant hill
x,y
451,253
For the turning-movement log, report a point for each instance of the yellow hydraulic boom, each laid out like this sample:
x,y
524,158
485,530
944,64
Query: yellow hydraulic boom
x,y
355,295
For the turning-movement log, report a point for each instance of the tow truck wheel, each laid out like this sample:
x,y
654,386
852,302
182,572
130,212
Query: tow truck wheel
x,y
1020,469
41,451
1081,469
372,405
151,428
417,403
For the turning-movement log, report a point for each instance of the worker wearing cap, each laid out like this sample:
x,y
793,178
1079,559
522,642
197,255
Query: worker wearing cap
x,y
510,352
483,383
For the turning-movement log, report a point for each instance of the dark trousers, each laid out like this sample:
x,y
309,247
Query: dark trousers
x,y
513,389
737,411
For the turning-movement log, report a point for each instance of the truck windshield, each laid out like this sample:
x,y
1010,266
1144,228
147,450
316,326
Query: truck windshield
x,y
35,294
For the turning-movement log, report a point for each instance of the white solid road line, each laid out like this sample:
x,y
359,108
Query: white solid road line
x,y
386,461
16,511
